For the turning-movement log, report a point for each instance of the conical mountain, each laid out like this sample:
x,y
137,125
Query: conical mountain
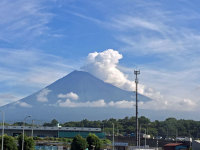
x,y
76,96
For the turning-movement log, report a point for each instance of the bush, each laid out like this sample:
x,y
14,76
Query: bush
x,y
29,143
93,141
37,138
78,143
8,143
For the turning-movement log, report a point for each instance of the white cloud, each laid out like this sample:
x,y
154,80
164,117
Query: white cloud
x,y
129,22
178,104
6,98
42,96
23,104
38,69
68,103
104,65
122,104
174,104
29,19
70,95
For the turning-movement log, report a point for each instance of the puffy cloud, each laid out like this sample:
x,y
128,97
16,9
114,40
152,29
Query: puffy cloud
x,y
70,95
104,65
122,104
98,103
68,103
42,96
174,103
23,104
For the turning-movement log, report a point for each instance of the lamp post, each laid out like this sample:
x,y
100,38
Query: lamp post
x,y
113,136
32,128
145,142
23,131
2,129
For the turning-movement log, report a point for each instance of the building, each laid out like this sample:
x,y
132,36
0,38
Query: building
x,y
176,146
196,145
62,132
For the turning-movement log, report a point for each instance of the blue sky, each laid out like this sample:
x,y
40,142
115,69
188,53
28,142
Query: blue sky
x,y
43,40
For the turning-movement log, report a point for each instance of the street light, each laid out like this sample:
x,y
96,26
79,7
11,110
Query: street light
x,y
2,129
32,128
113,136
23,131
145,142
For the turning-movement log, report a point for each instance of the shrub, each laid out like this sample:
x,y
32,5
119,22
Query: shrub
x,y
93,141
78,143
8,143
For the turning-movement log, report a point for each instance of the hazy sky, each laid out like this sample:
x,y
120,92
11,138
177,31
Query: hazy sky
x,y
43,40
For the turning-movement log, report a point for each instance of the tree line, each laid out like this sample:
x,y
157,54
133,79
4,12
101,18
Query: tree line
x,y
170,127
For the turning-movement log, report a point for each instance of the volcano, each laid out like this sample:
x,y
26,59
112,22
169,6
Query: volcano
x,y
77,96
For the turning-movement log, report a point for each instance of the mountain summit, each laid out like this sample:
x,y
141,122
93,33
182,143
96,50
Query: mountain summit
x,y
76,96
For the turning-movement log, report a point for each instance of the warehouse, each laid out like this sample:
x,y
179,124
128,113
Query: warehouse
x,y
64,132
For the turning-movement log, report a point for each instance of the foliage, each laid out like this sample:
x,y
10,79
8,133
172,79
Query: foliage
x,y
93,140
20,124
78,143
8,143
106,142
126,126
167,128
29,143
53,123
37,138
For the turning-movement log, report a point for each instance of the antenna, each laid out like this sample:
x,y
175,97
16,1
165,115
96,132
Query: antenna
x,y
136,72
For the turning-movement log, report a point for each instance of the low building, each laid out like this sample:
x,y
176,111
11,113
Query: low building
x,y
121,146
196,145
64,132
176,146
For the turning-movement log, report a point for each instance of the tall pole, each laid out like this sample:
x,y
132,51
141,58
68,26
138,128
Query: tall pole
x,y
113,136
2,130
145,142
139,135
136,72
32,128
23,132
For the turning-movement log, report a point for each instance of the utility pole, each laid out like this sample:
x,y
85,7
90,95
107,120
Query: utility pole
x,y
113,136
32,129
23,131
2,136
145,142
136,72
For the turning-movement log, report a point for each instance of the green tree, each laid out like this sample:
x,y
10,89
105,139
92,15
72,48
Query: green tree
x,y
78,143
53,123
29,143
8,143
93,141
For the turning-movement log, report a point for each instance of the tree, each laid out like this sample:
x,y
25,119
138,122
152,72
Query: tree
x,y
78,143
53,123
8,143
29,143
93,141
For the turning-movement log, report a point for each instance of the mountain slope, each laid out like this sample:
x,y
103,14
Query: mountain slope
x,y
76,96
